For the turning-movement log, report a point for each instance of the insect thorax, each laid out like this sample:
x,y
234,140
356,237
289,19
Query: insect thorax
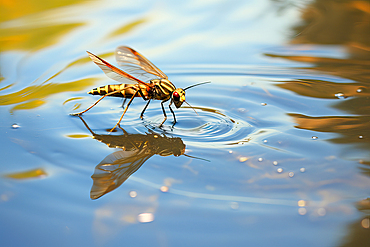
x,y
163,89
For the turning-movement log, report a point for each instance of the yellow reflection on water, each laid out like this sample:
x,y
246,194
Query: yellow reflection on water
x,y
127,27
35,95
35,173
12,9
34,37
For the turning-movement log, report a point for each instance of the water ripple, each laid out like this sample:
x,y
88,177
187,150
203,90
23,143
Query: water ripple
x,y
212,128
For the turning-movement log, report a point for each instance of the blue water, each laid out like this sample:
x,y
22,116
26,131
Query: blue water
x,y
277,159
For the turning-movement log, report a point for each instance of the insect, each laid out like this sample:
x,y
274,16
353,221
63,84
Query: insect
x,y
159,88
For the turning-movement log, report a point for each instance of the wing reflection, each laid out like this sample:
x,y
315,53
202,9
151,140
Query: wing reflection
x,y
117,167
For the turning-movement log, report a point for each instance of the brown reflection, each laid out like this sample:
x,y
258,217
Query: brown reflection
x,y
345,24
117,167
358,231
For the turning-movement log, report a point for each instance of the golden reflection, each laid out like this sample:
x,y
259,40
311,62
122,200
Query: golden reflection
x,y
35,95
12,9
36,28
32,38
35,173
117,167
127,27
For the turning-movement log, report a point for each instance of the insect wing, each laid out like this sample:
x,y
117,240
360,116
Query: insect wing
x,y
135,63
115,169
114,72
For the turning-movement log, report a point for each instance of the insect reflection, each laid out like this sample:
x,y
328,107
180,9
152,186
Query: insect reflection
x,y
117,167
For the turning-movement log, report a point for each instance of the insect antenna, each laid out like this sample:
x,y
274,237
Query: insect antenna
x,y
192,108
196,85
193,157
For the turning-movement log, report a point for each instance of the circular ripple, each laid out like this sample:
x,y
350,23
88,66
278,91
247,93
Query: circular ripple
x,y
211,128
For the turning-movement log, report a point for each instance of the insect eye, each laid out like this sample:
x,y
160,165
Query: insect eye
x,y
176,96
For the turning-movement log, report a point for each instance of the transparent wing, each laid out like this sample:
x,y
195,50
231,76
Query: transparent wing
x,y
115,169
114,72
135,63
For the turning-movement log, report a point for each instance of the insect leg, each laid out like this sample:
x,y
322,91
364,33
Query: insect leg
x,y
142,113
164,113
129,103
123,103
174,118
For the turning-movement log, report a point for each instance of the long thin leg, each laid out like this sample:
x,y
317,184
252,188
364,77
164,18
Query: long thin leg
x,y
164,113
102,97
174,118
146,106
123,103
129,103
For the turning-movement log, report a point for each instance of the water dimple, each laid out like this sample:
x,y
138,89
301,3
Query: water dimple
x,y
212,128
340,95
15,126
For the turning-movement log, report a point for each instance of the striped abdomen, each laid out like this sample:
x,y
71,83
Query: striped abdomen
x,y
123,90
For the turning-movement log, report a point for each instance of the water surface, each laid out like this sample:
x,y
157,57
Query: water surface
x,y
279,154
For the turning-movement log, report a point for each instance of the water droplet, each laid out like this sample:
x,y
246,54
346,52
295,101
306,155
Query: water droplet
x,y
263,104
243,159
133,194
340,95
360,137
260,159
359,90
230,152
365,223
264,141
234,205
275,163
164,189
291,174
315,138
302,211
280,170
301,203
321,211
145,217
302,169
15,126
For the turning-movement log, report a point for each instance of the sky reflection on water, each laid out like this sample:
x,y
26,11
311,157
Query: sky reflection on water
x,y
282,73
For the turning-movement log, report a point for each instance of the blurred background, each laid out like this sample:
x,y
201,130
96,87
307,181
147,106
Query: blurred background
x,y
278,156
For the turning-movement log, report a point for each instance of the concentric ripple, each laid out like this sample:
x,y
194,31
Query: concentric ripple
x,y
212,128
